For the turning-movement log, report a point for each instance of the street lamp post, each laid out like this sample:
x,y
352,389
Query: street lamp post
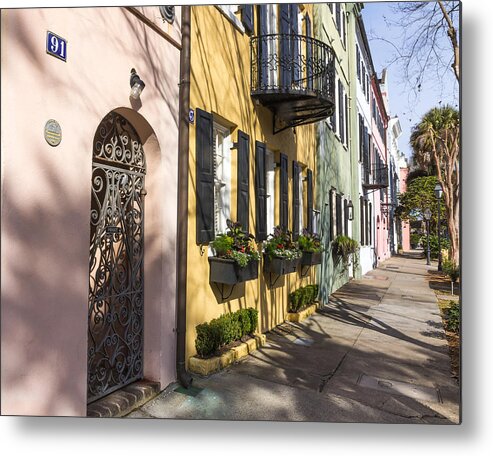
x,y
438,194
427,215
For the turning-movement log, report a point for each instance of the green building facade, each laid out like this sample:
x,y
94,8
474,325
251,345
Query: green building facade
x,y
337,145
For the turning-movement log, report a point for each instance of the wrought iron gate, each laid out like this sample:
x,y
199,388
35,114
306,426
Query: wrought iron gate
x,y
116,279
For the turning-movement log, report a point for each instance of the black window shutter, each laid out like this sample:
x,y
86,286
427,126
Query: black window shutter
x,y
309,52
260,192
285,45
205,177
263,52
338,17
309,200
367,239
361,137
283,200
331,216
296,199
346,218
344,28
362,220
338,214
341,112
369,225
358,68
247,17
243,173
346,121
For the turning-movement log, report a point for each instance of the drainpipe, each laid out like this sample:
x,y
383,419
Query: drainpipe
x,y
183,150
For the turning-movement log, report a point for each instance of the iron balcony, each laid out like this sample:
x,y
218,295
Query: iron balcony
x,y
376,177
293,76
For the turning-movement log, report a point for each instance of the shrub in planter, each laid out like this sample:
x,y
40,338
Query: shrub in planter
x,y
224,330
302,298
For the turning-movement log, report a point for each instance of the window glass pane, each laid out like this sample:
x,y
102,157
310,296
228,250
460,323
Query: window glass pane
x,y
222,178
271,189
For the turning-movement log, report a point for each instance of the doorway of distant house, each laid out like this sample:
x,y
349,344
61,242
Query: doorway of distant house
x,y
116,274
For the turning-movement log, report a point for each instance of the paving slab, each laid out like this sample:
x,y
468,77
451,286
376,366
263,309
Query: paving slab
x,y
374,353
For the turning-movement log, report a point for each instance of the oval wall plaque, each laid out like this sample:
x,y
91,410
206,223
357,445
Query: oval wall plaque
x,y
53,133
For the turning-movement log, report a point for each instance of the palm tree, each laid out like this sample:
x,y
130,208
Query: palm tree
x,y
435,143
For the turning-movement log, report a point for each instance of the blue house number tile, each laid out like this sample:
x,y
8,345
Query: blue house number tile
x,y
56,46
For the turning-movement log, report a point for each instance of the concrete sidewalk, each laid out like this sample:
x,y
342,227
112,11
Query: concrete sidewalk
x,y
375,353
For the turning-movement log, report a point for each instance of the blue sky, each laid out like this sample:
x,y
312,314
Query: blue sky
x,y
403,100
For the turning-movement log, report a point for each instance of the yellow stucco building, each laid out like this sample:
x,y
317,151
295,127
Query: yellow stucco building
x,y
239,137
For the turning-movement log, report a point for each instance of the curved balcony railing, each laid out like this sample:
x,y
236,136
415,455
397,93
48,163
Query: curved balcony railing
x,y
376,177
292,68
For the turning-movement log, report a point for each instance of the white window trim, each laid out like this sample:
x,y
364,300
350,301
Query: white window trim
x,y
221,214
229,11
270,171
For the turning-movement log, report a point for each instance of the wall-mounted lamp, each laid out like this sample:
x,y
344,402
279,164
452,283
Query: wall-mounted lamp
x,y
136,84
350,211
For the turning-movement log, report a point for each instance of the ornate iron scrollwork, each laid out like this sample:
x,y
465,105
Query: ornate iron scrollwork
x,y
294,74
116,282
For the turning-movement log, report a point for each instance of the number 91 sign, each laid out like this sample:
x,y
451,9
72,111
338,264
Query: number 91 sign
x,y
56,46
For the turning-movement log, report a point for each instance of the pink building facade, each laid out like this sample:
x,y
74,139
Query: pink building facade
x,y
379,121
117,155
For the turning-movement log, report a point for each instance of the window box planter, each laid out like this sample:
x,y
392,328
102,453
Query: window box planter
x,y
280,266
311,258
224,270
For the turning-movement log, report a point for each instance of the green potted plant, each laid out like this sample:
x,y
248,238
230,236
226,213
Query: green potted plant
x,y
345,249
281,253
311,248
235,257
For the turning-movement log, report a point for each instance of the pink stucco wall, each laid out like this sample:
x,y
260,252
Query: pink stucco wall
x,y
382,230
45,193
406,229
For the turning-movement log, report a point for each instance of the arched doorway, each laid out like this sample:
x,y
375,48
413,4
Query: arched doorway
x,y
116,275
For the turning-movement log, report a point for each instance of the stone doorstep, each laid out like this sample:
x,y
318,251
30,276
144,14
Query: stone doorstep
x,y
209,366
124,401
296,317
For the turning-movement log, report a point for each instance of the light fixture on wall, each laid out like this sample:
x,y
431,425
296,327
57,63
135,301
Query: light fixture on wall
x,y
350,211
167,13
136,84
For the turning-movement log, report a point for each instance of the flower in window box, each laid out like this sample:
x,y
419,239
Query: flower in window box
x,y
235,256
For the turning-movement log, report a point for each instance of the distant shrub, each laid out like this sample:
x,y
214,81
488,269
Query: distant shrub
x,y
416,240
451,269
453,317
444,244
224,330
